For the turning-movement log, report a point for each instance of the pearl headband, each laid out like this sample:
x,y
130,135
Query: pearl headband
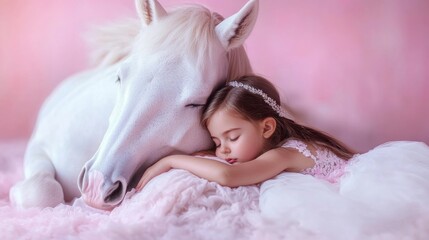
x,y
273,104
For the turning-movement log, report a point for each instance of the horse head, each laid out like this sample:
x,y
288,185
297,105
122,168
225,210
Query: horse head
x,y
176,60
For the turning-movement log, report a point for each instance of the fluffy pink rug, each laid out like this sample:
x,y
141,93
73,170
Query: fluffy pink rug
x,y
178,205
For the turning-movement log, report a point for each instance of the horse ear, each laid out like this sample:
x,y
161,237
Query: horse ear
x,y
149,11
235,29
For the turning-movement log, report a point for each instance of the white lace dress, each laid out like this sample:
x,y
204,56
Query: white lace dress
x,y
381,194
327,166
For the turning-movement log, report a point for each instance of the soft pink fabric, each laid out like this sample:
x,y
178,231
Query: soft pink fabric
x,y
179,205
176,205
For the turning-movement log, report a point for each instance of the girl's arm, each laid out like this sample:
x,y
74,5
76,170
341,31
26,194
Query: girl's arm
x,y
209,153
255,171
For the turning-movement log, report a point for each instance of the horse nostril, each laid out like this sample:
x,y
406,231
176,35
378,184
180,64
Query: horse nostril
x,y
81,183
115,194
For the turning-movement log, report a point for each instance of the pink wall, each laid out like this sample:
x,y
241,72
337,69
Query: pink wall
x,y
357,69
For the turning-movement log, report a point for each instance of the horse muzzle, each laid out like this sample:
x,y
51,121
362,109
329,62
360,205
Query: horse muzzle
x,y
101,192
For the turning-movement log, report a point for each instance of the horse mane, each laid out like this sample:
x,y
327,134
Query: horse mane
x,y
113,42
192,23
239,64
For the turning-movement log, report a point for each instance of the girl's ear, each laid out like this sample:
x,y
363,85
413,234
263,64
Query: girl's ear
x,y
269,125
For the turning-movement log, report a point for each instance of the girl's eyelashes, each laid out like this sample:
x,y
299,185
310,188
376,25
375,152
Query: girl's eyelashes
x,y
218,142
234,139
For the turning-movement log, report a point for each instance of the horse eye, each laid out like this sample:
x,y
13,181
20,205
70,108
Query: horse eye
x,y
118,79
194,105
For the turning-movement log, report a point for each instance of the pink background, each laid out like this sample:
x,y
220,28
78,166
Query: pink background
x,y
358,69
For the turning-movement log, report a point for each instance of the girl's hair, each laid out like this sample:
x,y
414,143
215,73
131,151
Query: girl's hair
x,y
253,108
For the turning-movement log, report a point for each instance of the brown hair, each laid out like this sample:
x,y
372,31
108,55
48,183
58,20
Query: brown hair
x,y
253,108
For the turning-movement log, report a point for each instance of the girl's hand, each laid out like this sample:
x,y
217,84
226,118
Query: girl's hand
x,y
156,169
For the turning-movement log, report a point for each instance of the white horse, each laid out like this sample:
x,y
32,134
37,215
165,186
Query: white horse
x,y
153,97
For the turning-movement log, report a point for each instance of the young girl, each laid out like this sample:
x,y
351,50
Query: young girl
x,y
309,179
254,135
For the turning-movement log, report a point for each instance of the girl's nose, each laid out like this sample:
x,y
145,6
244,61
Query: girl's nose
x,y
225,149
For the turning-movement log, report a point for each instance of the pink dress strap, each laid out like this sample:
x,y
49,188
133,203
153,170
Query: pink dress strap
x,y
300,146
327,165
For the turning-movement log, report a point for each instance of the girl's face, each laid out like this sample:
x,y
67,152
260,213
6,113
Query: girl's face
x,y
237,140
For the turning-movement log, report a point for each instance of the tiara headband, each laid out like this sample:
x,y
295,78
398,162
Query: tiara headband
x,y
273,104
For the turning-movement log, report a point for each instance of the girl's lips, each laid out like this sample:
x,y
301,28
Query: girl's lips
x,y
231,160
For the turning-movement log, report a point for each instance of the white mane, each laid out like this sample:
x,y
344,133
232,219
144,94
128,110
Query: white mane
x,y
113,42
193,24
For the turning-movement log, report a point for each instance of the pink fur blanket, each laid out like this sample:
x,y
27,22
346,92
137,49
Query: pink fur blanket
x,y
179,205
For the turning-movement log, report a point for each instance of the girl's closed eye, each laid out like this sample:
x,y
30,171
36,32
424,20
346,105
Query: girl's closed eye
x,y
233,139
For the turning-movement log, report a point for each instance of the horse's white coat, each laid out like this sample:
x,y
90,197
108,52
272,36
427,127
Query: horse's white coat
x,y
77,148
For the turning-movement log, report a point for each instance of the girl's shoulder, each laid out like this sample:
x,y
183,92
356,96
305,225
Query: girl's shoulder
x,y
305,148
298,154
